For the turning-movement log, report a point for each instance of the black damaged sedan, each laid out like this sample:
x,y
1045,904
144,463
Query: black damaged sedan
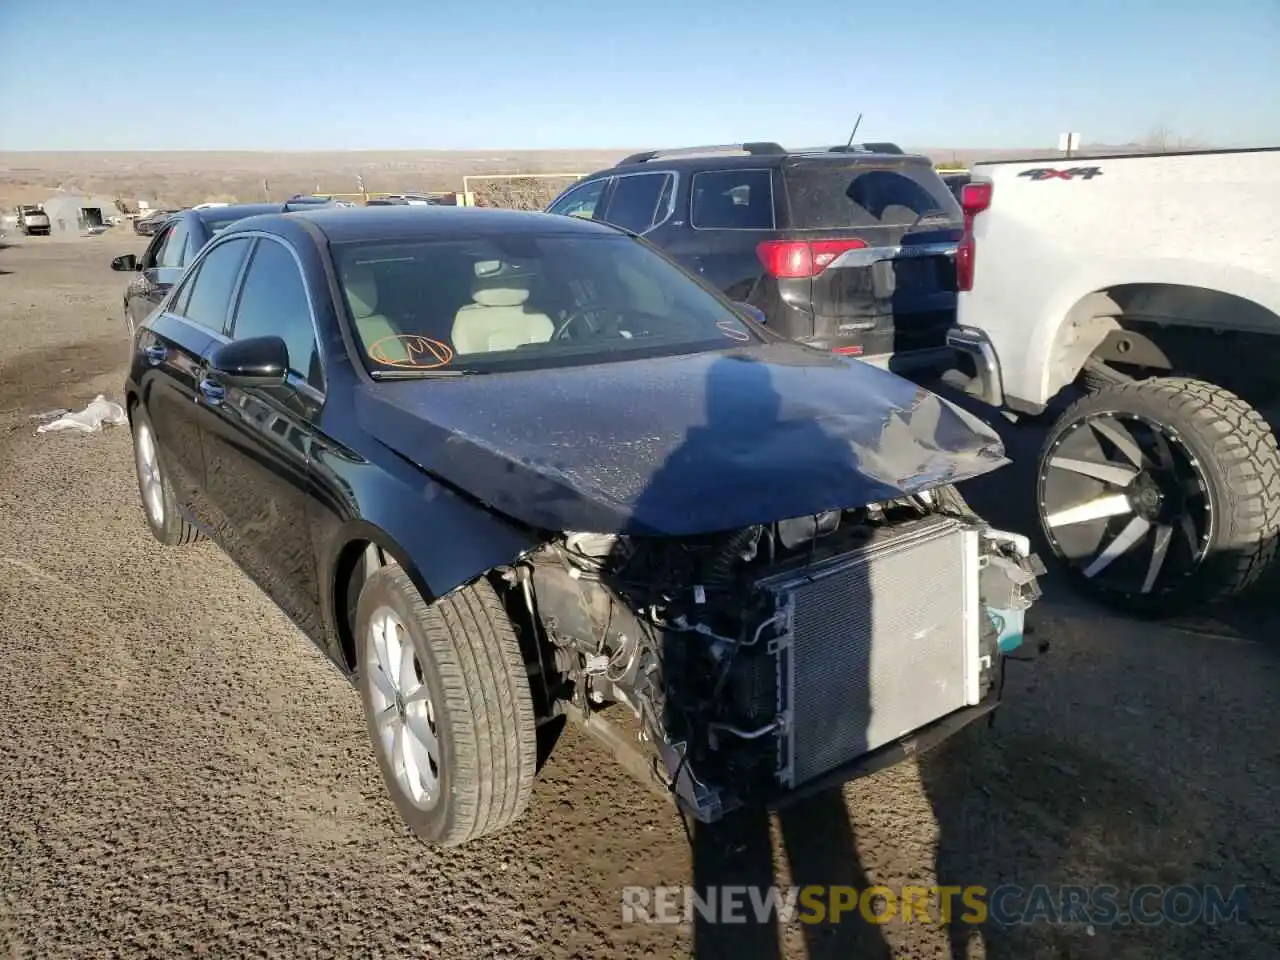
x,y
506,468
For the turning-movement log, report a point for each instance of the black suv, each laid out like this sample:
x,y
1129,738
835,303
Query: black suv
x,y
849,248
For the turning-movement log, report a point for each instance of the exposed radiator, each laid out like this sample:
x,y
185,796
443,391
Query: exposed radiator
x,y
874,644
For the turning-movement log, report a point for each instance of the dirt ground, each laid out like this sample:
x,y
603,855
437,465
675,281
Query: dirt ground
x,y
182,775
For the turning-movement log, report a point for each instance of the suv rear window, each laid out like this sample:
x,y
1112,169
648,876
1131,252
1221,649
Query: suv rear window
x,y
831,195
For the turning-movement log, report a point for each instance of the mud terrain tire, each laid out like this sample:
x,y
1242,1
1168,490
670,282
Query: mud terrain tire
x,y
1234,452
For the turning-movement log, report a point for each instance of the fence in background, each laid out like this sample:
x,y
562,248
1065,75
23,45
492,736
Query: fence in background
x,y
516,191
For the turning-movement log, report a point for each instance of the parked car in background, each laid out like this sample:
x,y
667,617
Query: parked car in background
x,y
955,180
403,200
1151,285
503,467
177,241
33,221
848,248
146,226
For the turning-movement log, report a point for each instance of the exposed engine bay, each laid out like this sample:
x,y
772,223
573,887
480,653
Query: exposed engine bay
x,y
777,656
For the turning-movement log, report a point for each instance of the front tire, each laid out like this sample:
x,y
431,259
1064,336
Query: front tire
x,y
1161,494
448,706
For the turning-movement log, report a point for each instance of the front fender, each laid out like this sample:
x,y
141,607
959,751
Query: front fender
x,y
440,537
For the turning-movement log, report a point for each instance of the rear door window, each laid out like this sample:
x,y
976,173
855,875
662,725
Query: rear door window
x,y
210,297
732,200
150,259
834,194
639,201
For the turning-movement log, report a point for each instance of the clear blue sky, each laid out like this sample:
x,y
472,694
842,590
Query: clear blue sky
x,y
541,74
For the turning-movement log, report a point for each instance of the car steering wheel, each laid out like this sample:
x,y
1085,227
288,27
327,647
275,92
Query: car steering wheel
x,y
583,315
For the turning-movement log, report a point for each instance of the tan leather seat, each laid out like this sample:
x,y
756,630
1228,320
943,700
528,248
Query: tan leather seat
x,y
362,294
498,320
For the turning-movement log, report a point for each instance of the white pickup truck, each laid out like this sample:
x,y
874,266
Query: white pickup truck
x,y
1134,302
33,221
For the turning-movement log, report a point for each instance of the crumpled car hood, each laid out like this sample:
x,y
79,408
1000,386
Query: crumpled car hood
x,y
676,446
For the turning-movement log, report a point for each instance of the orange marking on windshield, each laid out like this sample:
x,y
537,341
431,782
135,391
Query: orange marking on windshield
x,y
731,330
420,353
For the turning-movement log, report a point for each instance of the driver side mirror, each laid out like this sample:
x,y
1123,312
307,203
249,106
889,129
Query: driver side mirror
x,y
752,313
125,263
256,362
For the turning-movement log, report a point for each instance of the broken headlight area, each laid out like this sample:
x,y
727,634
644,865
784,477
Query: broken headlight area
x,y
779,657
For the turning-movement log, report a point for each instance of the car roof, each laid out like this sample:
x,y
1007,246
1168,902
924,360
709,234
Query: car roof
x,y
207,214
346,224
759,160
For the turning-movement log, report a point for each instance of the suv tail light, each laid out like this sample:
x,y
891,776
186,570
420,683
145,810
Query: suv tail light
x,y
974,199
802,258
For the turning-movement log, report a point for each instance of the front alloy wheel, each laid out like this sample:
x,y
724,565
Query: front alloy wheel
x,y
403,713
449,710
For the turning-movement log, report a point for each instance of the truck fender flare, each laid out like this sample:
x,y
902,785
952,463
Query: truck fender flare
x,y
1087,324
1078,319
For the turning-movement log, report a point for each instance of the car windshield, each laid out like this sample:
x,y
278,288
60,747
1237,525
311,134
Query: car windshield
x,y
524,301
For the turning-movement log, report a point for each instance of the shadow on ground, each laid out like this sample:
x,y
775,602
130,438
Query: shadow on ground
x,y
1110,770
1077,784
742,406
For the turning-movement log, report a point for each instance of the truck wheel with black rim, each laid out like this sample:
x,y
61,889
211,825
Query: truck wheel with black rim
x,y
446,695
1161,494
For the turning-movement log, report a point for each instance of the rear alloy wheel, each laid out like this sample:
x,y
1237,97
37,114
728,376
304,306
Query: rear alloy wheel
x,y
448,705
1161,494
158,503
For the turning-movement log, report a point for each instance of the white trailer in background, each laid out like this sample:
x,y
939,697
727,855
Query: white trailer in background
x,y
1141,292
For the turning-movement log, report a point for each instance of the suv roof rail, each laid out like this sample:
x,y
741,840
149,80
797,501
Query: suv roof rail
x,y
754,148
876,147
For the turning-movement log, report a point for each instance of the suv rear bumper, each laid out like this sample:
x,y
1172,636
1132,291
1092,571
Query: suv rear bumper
x,y
988,385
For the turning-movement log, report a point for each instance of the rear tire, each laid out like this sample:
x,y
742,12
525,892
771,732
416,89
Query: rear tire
x,y
451,719
159,505
1162,494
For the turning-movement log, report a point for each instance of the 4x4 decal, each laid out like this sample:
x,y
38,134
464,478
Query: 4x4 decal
x,y
1049,173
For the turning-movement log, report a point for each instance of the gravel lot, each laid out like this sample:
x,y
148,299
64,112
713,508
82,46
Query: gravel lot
x,y
181,774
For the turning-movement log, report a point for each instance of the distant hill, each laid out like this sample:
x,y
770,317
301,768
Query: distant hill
x,y
181,178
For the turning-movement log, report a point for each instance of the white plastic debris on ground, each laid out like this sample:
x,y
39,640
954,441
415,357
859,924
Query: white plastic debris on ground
x,y
90,419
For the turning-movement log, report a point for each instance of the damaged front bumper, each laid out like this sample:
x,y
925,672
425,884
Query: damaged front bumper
x,y
858,662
